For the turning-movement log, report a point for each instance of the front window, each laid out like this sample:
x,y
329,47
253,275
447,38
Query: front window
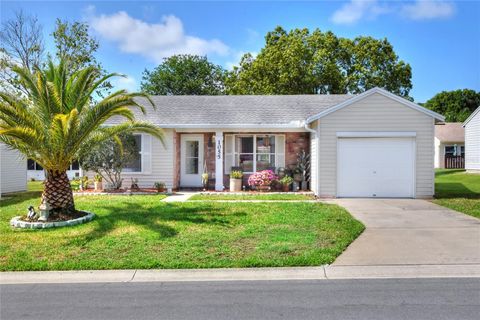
x,y
254,152
135,165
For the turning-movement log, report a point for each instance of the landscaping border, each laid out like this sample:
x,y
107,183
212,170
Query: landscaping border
x,y
17,223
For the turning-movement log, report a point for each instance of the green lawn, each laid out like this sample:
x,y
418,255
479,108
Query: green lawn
x,y
458,190
226,196
142,232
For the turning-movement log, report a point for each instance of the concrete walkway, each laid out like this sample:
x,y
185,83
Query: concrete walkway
x,y
181,196
249,274
410,232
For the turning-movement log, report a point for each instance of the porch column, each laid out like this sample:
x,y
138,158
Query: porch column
x,y
218,160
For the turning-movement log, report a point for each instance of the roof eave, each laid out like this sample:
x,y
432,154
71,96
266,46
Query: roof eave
x,y
383,92
471,116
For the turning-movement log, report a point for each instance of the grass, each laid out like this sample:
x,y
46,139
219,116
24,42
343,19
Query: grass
x,y
226,196
143,232
458,190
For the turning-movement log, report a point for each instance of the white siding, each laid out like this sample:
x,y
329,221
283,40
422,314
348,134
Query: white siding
x,y
376,113
161,168
13,170
439,154
472,144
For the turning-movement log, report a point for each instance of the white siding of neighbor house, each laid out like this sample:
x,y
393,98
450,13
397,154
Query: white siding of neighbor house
x,y
472,144
313,159
13,170
376,113
161,167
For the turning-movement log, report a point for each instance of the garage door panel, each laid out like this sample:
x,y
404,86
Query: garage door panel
x,y
375,167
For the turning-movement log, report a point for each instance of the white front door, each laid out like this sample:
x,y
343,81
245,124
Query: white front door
x,y
191,164
376,167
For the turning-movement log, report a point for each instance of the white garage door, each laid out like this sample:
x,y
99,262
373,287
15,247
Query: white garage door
x,y
375,167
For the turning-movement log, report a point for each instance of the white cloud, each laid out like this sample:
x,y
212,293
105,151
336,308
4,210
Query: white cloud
x,y
356,10
152,40
128,83
428,9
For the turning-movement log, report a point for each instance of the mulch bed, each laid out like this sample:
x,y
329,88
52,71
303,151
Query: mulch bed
x,y
60,216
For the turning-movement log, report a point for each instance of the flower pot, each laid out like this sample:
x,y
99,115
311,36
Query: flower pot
x,y
298,177
285,187
304,185
235,185
263,188
98,185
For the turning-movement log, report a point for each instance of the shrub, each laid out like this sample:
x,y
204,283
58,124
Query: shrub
x,y
287,180
236,174
262,178
160,186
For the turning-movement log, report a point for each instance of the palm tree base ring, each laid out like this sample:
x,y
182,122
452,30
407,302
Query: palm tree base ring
x,y
16,222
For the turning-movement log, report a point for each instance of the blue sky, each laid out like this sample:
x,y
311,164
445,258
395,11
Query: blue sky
x,y
440,39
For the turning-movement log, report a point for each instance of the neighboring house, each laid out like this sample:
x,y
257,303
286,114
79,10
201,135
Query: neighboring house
x,y
472,142
450,145
13,171
36,172
375,144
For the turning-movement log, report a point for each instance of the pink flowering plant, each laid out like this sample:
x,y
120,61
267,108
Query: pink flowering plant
x,y
262,178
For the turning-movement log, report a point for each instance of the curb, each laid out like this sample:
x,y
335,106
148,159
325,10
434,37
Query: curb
x,y
326,272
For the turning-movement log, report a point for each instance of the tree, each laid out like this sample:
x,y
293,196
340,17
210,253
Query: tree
x,y
73,42
301,62
109,158
21,44
184,75
455,105
59,121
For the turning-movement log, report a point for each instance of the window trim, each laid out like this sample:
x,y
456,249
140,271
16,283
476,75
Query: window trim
x,y
276,154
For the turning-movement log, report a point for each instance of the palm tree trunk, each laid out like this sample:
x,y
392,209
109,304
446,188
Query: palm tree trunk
x,y
58,191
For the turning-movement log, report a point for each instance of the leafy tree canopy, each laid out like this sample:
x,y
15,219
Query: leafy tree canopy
x,y
184,75
455,105
304,62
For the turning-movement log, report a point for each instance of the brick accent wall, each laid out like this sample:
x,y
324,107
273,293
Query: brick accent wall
x,y
295,142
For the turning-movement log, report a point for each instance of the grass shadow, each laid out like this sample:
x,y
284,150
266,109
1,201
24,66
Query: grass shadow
x,y
17,197
444,172
155,218
450,190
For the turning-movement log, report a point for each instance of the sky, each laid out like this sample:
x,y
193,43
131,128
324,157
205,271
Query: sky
x,y
439,39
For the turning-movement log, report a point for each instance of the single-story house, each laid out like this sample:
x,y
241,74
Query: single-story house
x,y
374,144
450,145
35,171
13,170
472,142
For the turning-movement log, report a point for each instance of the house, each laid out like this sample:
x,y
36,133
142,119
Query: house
x,y
13,170
36,172
472,142
450,145
374,144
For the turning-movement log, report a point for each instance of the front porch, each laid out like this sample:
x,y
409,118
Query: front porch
x,y
218,153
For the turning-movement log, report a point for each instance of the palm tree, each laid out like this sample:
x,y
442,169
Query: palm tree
x,y
59,119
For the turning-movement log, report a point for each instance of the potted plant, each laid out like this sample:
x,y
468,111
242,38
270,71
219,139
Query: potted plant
x,y
262,180
303,167
97,181
236,181
286,182
160,186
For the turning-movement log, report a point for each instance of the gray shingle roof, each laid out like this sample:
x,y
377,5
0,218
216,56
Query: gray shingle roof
x,y
275,110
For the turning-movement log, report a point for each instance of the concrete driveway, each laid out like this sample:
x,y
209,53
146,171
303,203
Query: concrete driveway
x,y
410,232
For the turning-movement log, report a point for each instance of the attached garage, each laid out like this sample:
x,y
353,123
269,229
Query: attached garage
x,y
376,167
374,145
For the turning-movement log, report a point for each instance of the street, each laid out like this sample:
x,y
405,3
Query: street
x,y
313,299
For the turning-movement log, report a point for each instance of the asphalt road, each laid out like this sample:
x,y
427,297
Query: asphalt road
x,y
324,299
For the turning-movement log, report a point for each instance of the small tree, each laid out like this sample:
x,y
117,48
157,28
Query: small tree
x,y
109,158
